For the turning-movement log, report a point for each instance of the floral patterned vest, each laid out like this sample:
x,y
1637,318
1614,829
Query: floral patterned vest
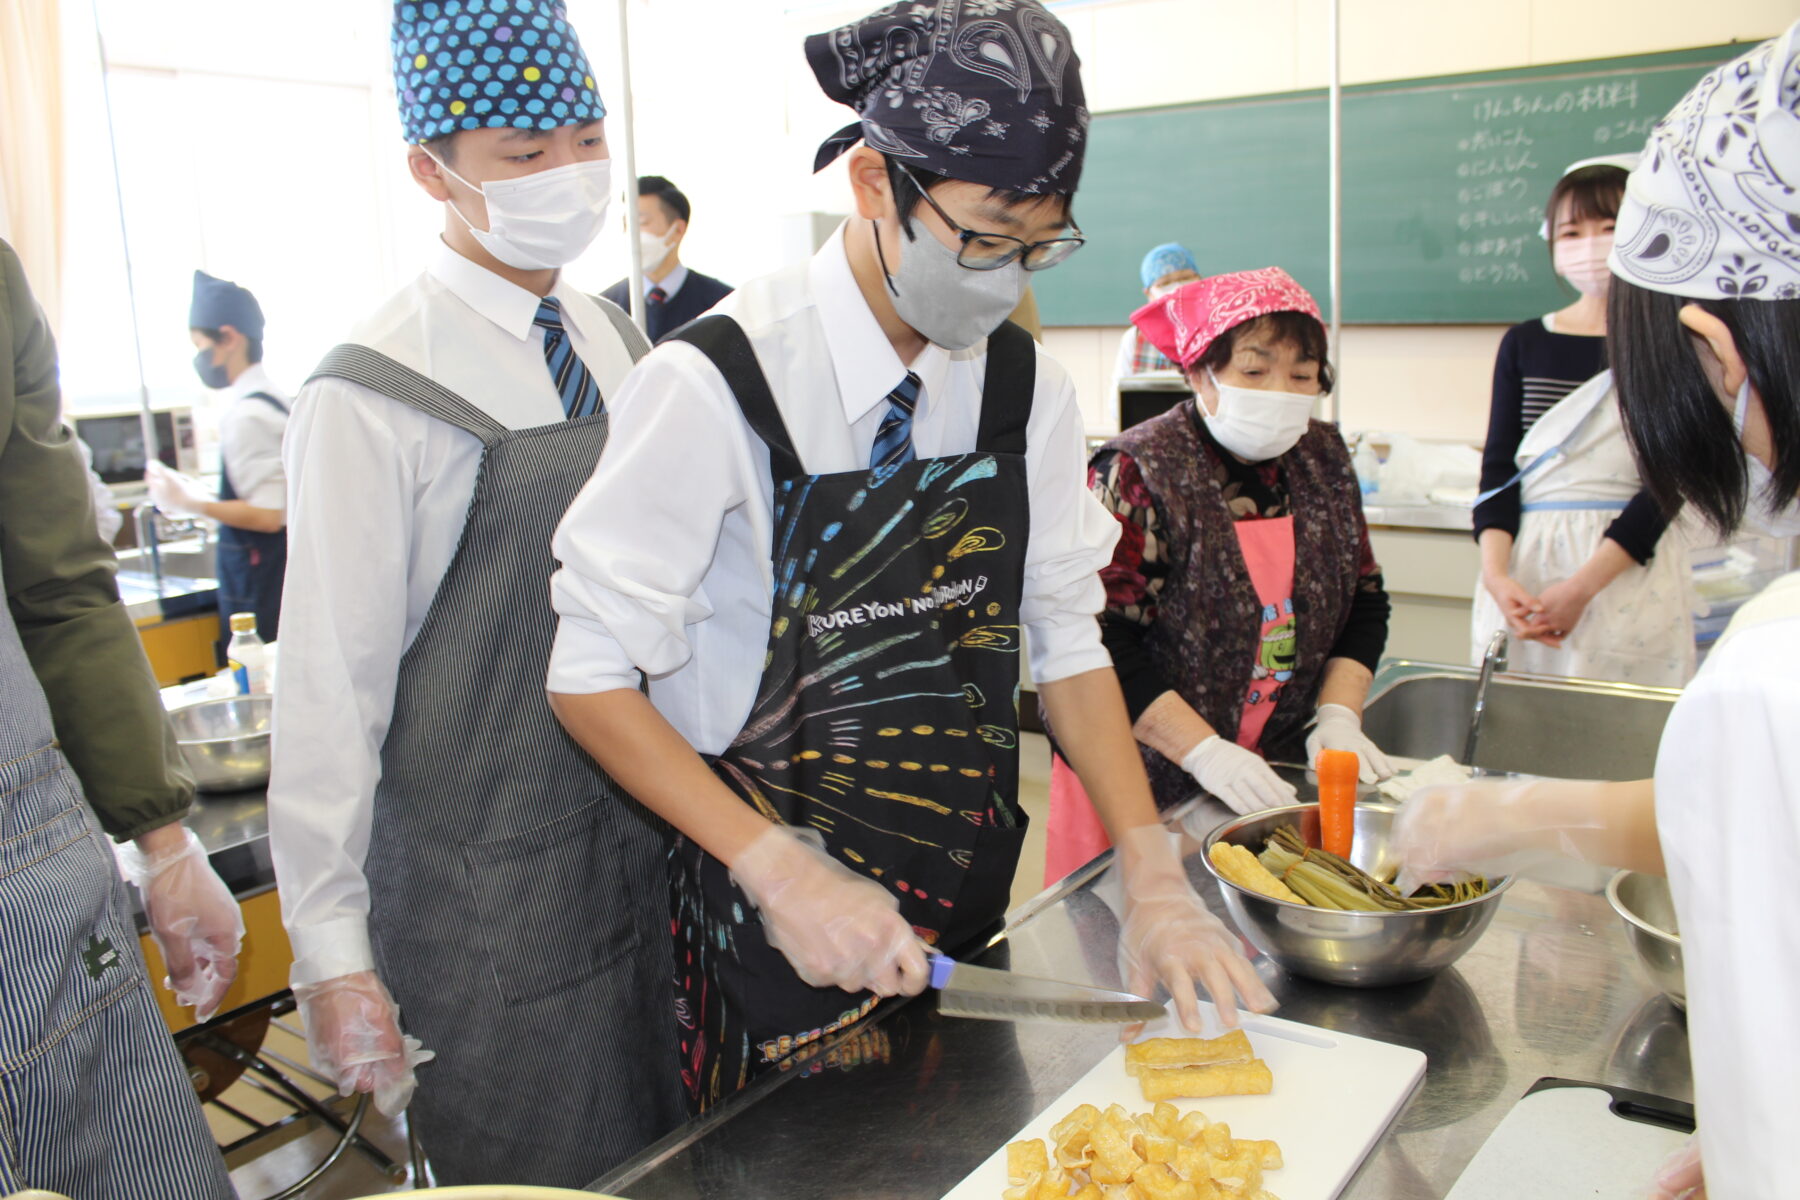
x,y
1208,619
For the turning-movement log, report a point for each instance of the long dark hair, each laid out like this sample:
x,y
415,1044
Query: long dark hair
x,y
1681,435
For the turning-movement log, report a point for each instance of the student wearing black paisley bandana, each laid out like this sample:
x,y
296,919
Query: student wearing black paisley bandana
x,y
881,485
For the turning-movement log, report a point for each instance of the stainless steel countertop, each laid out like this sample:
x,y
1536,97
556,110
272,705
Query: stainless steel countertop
x,y
910,1104
146,599
1450,518
234,828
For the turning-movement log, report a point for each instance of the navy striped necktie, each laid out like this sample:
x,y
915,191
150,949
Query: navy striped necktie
x,y
893,441
574,382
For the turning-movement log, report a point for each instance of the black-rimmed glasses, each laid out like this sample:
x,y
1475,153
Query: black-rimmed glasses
x,y
991,251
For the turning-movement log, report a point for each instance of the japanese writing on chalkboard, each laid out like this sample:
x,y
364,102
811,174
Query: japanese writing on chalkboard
x,y
1592,97
1501,180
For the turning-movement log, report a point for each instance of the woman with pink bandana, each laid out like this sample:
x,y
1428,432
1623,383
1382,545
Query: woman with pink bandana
x,y
1244,604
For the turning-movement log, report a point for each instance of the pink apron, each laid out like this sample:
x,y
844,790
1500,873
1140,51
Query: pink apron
x,y
1074,834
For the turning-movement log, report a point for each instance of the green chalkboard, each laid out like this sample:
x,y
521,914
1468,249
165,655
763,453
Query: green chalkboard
x,y
1444,186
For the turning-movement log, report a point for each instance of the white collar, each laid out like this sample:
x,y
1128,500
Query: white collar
x,y
254,379
862,358
671,284
504,303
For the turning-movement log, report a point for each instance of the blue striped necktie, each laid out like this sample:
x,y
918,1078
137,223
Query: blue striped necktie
x,y
574,382
893,441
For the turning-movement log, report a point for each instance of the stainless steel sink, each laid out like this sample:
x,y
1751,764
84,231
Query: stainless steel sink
x,y
181,561
1567,728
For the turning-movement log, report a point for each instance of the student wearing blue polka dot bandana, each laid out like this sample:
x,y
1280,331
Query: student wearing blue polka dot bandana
x,y
498,101
474,907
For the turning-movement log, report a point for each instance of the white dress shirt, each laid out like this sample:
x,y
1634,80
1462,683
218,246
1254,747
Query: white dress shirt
x,y
665,552
670,284
377,500
1728,818
250,435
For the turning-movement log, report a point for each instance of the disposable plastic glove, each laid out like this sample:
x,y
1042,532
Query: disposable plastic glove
x,y
1680,1177
836,928
174,492
1339,728
353,1034
1167,935
1237,776
193,917
1509,827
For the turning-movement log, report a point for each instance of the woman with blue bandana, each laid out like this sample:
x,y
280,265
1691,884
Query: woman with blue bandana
x,y
1703,325
1165,268
829,511
456,877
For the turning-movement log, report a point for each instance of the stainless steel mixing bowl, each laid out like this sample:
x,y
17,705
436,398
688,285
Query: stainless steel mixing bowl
x,y
226,742
1354,949
1644,903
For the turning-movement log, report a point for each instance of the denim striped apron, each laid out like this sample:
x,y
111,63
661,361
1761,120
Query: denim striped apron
x,y
251,565
94,1100
518,906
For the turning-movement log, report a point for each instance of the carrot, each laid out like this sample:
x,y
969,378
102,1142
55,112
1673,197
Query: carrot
x,y
1337,770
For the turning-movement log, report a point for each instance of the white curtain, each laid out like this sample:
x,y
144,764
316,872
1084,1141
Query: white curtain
x,y
31,143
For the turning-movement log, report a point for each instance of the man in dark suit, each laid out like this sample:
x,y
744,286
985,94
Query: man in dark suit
x,y
673,294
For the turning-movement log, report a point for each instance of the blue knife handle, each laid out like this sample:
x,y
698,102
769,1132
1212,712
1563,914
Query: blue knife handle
x,y
940,968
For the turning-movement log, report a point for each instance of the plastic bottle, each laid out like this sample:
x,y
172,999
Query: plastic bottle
x,y
1368,466
246,658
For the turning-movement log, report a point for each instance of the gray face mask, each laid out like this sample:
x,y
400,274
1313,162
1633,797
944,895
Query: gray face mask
x,y
945,302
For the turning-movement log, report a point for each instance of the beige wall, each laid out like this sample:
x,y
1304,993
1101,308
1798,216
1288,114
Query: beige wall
x,y
1431,382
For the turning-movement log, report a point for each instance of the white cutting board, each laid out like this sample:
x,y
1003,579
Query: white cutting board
x,y
1334,1096
1566,1142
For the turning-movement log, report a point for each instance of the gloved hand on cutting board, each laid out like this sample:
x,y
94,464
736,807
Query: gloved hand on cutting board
x,y
353,1034
193,916
1167,935
1500,827
1237,776
835,927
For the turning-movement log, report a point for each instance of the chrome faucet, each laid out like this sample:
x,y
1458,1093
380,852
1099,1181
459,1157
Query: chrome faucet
x,y
1494,660
155,527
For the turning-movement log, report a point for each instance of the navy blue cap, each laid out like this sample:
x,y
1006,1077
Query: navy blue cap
x,y
219,302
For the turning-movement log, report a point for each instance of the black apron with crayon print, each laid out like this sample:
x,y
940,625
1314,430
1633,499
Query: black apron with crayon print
x,y
887,714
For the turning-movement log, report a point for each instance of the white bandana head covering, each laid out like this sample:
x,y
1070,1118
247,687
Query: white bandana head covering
x,y
1713,211
1624,162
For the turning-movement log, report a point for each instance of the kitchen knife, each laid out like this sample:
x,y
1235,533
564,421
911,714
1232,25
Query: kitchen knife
x,y
990,995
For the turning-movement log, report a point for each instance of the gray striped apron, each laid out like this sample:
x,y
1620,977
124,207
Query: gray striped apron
x,y
94,1100
518,897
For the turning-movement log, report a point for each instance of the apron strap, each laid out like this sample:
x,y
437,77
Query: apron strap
x,y
1007,390
723,341
1574,506
1547,457
397,381
279,406
636,344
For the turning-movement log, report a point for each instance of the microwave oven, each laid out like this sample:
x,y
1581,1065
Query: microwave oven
x,y
117,441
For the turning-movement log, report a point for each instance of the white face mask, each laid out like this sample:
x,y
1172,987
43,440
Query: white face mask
x,y
1760,516
1582,261
654,248
542,221
1256,425
1163,289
